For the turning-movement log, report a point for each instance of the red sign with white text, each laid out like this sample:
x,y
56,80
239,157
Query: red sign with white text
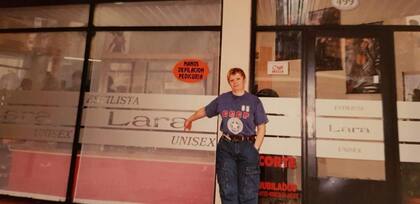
x,y
275,184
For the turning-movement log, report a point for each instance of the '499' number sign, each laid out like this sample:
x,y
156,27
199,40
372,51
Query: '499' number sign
x,y
345,4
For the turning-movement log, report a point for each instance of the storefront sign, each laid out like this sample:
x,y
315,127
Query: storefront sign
x,y
147,138
150,120
191,70
349,128
278,186
278,67
147,120
350,150
37,132
278,195
275,183
130,100
36,115
147,101
348,108
345,4
277,161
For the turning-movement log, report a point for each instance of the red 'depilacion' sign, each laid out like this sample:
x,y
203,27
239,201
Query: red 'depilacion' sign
x,y
190,70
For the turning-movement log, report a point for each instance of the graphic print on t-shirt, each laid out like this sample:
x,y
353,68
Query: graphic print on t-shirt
x,y
235,125
247,109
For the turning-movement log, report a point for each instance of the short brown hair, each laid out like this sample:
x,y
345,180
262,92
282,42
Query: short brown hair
x,y
234,71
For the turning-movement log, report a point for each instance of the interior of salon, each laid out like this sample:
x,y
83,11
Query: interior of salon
x,y
94,95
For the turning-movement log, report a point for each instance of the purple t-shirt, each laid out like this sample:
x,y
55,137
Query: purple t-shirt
x,y
240,114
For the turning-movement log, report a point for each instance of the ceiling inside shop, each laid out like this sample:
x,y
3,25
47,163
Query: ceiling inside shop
x,y
159,13
44,16
368,11
163,13
197,12
200,12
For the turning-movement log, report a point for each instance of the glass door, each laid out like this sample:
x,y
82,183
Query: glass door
x,y
347,105
277,82
407,77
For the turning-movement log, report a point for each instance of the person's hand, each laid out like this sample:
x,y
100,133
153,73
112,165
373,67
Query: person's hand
x,y
257,148
187,125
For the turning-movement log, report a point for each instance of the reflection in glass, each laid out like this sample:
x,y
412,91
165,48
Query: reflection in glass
x,y
44,16
363,65
323,12
277,84
411,86
144,63
408,95
133,134
349,125
277,48
159,13
328,54
41,61
288,45
39,90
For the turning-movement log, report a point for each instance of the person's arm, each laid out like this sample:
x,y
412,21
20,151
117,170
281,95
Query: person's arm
x,y
260,136
200,113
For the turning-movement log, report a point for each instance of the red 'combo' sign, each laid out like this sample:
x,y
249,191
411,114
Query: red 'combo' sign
x,y
190,70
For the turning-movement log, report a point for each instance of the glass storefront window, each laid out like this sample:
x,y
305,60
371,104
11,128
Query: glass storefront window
x,y
159,13
327,12
277,83
407,50
44,16
145,62
349,130
132,135
38,104
152,80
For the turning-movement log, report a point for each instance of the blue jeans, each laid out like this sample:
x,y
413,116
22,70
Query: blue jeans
x,y
238,172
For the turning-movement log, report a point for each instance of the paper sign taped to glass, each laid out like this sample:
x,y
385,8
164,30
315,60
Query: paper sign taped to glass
x,y
278,67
